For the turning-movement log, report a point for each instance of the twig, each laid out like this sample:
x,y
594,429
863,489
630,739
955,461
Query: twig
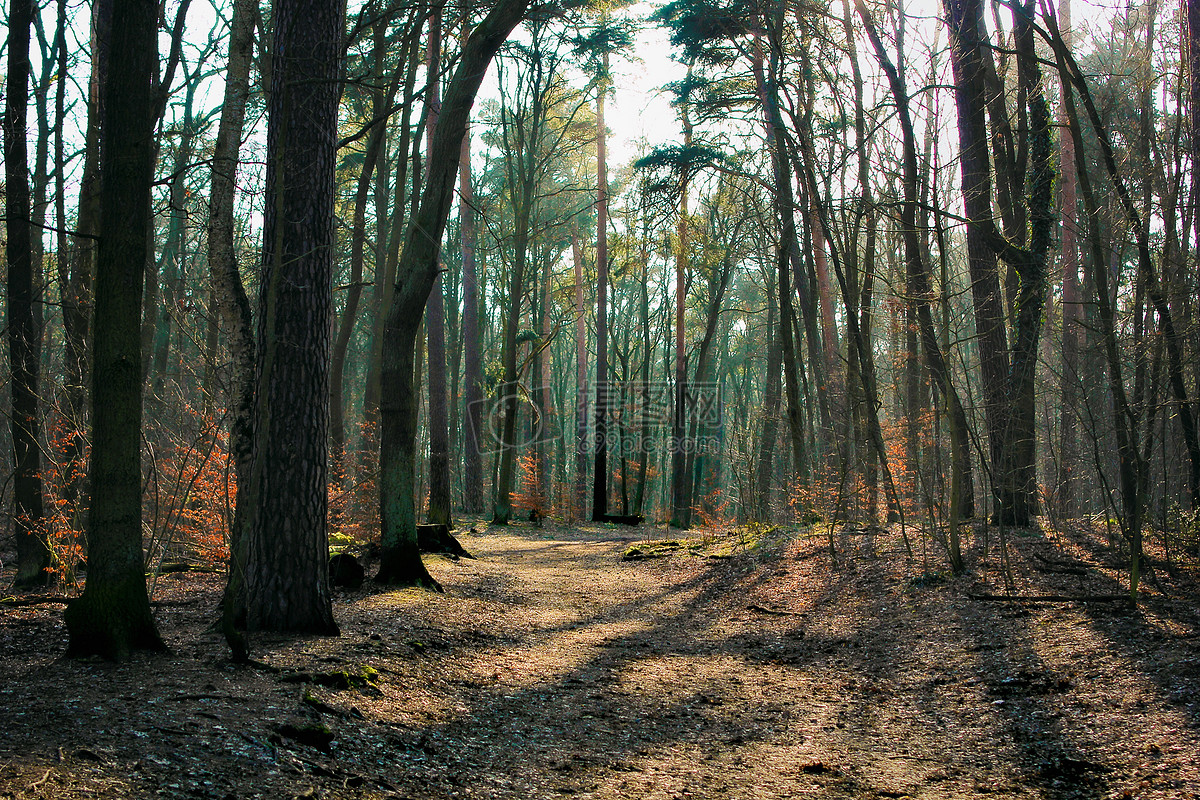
x,y
773,611
40,780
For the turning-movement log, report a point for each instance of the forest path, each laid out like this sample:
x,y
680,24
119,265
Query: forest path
x,y
551,668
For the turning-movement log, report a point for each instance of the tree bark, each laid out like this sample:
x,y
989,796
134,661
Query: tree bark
x,y
1069,389
600,457
229,294
24,338
287,550
401,560
435,319
77,292
472,358
113,616
581,371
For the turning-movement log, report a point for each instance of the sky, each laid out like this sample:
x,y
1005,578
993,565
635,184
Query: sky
x,y
640,110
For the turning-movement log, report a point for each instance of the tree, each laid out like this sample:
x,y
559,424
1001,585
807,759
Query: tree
x,y
113,616
435,315
962,486
286,551
232,306
468,225
1008,375
400,558
536,113
24,338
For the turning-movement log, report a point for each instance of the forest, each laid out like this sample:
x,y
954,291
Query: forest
x,y
612,398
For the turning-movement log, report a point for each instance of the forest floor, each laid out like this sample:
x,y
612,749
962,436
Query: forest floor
x,y
738,664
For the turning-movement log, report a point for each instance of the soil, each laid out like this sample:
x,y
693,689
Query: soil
x,y
761,663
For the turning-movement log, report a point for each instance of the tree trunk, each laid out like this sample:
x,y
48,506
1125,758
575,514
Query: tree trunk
x,y
764,471
435,318
1069,256
24,338
381,100
681,501
581,370
287,575
472,358
600,471
961,483
400,560
229,294
77,300
113,616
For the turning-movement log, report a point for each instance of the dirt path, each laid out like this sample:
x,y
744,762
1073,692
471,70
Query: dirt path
x,y
551,668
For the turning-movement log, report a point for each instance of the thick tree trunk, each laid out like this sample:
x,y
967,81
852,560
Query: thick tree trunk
x,y
113,616
472,357
400,562
287,576
24,337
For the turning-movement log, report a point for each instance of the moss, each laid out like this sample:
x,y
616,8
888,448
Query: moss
x,y
362,678
314,734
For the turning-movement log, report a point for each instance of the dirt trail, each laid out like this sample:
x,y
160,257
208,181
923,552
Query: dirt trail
x,y
551,668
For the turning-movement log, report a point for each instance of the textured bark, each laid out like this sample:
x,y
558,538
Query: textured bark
x,y
287,577
1007,377
113,616
229,294
400,560
24,337
472,360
